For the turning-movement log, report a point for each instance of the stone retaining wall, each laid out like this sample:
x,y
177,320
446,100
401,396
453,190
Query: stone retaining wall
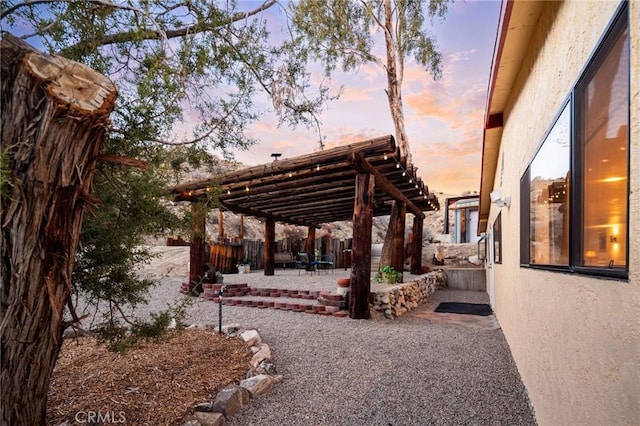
x,y
397,299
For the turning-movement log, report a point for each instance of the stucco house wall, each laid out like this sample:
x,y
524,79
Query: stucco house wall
x,y
575,339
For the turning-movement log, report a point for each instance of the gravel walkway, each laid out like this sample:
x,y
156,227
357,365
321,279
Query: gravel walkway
x,y
339,371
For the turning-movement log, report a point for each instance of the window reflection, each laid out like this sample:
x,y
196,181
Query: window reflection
x,y
497,239
549,200
604,122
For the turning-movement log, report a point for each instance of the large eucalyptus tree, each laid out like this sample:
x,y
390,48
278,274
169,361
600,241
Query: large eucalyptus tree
x,y
342,34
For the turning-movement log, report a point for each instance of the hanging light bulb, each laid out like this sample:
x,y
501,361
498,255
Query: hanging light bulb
x,y
397,165
318,167
290,174
385,156
246,188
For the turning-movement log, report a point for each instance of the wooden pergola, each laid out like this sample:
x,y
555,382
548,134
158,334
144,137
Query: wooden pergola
x,y
352,182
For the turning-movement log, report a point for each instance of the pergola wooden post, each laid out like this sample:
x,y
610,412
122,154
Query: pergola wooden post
x,y
361,251
241,230
269,243
197,252
310,244
416,250
397,224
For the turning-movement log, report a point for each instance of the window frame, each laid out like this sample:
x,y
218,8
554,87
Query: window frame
x,y
617,23
496,228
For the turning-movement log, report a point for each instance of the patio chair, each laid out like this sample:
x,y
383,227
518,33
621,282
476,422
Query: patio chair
x,y
303,263
327,262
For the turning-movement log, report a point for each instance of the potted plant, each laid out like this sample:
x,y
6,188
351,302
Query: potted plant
x,y
390,275
219,277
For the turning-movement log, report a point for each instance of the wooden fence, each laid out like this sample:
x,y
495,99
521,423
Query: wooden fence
x,y
225,257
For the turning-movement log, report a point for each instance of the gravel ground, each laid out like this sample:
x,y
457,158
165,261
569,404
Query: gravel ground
x,y
339,371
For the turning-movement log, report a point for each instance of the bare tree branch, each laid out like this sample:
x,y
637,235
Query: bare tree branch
x,y
198,27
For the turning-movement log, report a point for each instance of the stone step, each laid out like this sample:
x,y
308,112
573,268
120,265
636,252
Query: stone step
x,y
308,301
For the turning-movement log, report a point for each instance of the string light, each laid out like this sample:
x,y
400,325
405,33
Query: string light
x,y
290,174
385,156
397,165
228,192
246,188
318,167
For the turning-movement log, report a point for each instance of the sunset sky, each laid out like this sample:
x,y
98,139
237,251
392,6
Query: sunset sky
x,y
443,118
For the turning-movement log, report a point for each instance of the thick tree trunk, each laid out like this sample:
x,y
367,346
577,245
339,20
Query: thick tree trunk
x,y
54,115
395,73
395,76
197,250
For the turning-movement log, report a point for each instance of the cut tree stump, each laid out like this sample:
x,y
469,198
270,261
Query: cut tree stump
x,y
54,117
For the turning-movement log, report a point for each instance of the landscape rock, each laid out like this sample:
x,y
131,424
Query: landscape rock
x,y
231,400
231,328
260,384
267,367
209,419
251,337
263,353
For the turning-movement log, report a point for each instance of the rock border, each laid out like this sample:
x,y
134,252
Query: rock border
x,y
261,377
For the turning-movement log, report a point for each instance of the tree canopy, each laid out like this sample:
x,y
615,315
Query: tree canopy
x,y
193,64
343,34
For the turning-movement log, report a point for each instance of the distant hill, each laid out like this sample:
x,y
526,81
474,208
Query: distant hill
x,y
254,228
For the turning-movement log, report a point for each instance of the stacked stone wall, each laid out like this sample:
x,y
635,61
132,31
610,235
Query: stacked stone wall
x,y
401,298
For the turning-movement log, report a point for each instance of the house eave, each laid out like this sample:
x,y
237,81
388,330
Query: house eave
x,y
517,23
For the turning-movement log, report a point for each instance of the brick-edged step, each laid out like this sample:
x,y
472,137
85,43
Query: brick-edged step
x,y
307,301
211,291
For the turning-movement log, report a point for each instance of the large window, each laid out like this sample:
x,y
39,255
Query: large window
x,y
602,150
575,190
549,179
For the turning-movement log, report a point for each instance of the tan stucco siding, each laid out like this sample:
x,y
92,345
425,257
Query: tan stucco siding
x,y
575,339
